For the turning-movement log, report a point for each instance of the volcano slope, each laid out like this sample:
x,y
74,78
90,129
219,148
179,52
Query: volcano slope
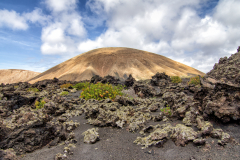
x,y
118,62
155,119
16,75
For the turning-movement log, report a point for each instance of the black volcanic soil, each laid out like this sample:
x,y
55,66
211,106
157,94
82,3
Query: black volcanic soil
x,y
118,143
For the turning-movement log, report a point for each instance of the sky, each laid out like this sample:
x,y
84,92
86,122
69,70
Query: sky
x,y
39,34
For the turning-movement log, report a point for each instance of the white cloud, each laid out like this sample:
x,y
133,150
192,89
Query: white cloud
x,y
162,46
53,38
76,28
227,12
17,21
170,28
66,29
56,48
59,31
72,23
62,35
36,16
61,5
144,24
53,33
211,33
89,45
106,5
173,28
13,20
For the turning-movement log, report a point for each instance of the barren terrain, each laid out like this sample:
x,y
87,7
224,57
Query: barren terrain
x,y
118,62
16,75
155,118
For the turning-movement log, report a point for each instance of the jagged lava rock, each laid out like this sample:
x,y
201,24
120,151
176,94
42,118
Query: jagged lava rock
x,y
219,99
227,69
160,79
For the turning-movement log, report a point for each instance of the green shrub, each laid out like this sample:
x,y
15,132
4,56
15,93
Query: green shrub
x,y
40,104
63,93
80,86
194,80
67,85
166,111
176,79
101,91
32,90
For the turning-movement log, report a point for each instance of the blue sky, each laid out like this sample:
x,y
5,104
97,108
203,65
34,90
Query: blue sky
x,y
37,35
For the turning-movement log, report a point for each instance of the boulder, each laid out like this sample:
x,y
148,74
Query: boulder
x,y
91,136
144,90
95,79
107,79
182,134
160,79
160,134
129,81
199,141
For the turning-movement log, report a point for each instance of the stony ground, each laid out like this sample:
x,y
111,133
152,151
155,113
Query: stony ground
x,y
155,119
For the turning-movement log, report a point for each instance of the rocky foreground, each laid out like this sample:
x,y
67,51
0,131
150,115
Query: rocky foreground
x,y
24,128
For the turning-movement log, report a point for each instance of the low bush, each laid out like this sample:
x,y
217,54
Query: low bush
x,y
194,80
64,93
80,86
32,90
101,91
166,111
67,85
176,79
40,104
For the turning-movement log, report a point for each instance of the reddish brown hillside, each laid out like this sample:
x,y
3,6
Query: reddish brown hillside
x,y
118,62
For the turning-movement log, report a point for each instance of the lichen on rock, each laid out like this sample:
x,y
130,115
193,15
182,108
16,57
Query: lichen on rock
x,y
205,126
8,154
181,135
199,141
70,125
91,136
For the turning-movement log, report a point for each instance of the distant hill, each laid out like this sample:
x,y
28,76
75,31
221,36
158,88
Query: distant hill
x,y
16,75
116,61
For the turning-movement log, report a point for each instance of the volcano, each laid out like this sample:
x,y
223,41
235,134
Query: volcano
x,y
118,62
